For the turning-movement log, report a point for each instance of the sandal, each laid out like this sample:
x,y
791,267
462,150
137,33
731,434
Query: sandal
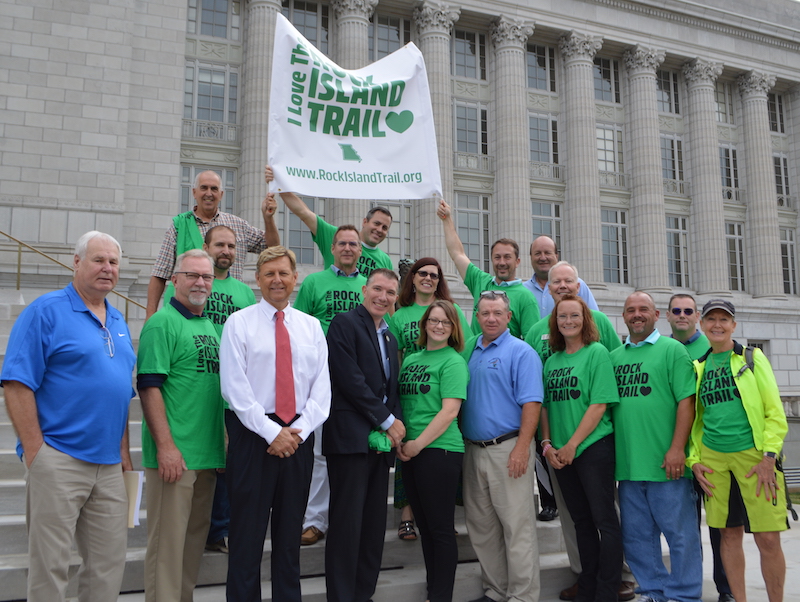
x,y
406,531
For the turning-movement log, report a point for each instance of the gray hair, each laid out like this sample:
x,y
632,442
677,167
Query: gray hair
x,y
83,242
493,295
197,179
198,253
566,264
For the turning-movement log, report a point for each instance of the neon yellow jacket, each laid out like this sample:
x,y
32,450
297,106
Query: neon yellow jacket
x,y
760,398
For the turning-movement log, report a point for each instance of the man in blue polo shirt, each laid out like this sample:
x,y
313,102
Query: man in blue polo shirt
x,y
498,420
67,380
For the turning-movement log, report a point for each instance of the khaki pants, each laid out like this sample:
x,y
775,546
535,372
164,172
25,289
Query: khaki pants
x,y
66,496
178,517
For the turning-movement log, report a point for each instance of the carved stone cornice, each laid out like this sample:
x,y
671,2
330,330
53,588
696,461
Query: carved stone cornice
x,y
506,31
574,45
435,17
700,71
354,8
643,59
755,83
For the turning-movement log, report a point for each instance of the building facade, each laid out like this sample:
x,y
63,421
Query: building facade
x,y
657,142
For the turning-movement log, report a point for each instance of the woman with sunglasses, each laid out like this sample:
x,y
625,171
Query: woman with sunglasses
x,y
433,384
578,442
423,284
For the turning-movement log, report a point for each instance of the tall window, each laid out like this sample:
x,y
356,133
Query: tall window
x,y
609,156
671,158
614,228
469,54
546,220
789,261
398,241
729,172
211,93
781,166
387,34
228,177
299,236
471,129
217,18
473,227
724,97
543,136
677,251
606,80
311,20
734,241
667,91
541,67
775,109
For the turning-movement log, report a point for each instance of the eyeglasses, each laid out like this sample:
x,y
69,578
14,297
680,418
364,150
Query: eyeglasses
x,y
492,295
687,311
436,322
432,275
195,276
107,340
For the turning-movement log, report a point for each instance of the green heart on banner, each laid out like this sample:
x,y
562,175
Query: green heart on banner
x,y
399,122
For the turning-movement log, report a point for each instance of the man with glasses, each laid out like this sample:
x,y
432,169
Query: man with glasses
x,y
67,381
505,261
683,317
323,295
183,441
498,421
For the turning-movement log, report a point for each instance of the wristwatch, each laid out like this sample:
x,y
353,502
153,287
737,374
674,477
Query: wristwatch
x,y
772,455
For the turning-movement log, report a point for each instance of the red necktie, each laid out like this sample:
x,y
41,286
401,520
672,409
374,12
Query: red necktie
x,y
284,378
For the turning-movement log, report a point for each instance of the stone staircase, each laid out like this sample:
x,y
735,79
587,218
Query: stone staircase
x,y
402,576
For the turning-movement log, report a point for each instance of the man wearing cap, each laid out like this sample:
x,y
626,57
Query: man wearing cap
x,y
737,435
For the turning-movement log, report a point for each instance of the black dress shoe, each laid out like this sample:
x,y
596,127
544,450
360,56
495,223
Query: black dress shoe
x,y
548,514
726,598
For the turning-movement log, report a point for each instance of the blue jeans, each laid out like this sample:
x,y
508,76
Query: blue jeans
x,y
220,511
648,509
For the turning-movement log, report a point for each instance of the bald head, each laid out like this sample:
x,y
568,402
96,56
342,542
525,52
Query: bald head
x,y
544,256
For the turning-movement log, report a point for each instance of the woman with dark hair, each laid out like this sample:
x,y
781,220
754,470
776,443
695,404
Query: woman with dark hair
x,y
579,388
423,284
433,384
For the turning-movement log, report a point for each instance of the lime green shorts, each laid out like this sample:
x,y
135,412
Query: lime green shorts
x,y
760,515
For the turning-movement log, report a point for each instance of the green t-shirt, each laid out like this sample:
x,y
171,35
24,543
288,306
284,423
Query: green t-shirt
x,y
698,347
404,325
572,382
227,296
371,258
524,309
727,428
186,350
651,381
425,379
538,336
325,294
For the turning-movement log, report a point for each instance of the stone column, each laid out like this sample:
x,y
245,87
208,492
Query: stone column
x,y
762,244
434,22
582,242
512,208
258,42
647,224
707,228
352,52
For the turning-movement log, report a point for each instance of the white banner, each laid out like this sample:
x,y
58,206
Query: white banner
x,y
363,134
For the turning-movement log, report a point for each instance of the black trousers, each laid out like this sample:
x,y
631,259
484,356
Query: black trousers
x,y
359,489
259,485
431,480
588,487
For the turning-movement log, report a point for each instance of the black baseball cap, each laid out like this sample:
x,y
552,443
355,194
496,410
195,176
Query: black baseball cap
x,y
725,306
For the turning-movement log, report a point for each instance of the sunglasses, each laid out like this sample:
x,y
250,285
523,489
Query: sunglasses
x,y
432,275
687,311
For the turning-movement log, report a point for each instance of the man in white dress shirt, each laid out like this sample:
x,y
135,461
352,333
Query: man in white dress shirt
x,y
270,449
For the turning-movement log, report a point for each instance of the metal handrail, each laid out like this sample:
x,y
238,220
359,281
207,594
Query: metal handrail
x,y
21,244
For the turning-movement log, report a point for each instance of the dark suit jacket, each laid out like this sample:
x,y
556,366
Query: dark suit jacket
x,y
358,384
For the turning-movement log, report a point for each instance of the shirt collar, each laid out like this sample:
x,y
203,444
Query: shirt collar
x,y
270,310
78,304
691,339
339,272
535,283
506,282
183,310
200,219
496,342
382,327
651,339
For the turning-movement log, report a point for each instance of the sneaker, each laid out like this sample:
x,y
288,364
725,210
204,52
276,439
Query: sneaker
x,y
221,545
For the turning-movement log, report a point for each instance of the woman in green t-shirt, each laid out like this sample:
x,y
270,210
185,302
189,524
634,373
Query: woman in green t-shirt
x,y
579,388
423,284
433,384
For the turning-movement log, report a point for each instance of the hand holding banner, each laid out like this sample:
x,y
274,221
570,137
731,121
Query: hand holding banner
x,y
362,134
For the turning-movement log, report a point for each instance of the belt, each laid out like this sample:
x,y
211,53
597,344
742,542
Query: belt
x,y
494,441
